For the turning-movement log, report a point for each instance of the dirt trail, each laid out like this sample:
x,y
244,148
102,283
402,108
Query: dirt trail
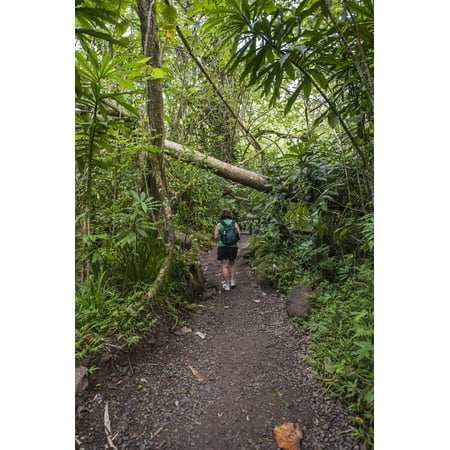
x,y
221,386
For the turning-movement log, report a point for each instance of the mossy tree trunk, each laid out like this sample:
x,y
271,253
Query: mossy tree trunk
x,y
156,161
221,168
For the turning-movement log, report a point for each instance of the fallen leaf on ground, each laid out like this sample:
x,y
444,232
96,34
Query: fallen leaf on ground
x,y
288,436
197,374
200,334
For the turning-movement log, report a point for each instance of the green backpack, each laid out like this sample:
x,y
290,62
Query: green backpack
x,y
230,234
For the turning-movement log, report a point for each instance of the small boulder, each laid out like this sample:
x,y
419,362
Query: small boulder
x,y
210,289
261,275
298,301
81,382
184,240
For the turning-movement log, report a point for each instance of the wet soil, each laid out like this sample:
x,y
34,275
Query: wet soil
x,y
222,379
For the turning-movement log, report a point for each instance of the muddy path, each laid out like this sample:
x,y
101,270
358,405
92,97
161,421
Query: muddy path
x,y
223,378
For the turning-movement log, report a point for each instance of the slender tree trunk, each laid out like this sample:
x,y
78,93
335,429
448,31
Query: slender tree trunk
x,y
153,88
156,162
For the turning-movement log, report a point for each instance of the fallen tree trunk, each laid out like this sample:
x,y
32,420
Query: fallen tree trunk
x,y
223,169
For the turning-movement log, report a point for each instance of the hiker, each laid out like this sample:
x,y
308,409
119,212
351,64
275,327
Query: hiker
x,y
227,233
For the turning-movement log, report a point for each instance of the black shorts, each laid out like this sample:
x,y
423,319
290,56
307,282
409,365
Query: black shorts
x,y
224,252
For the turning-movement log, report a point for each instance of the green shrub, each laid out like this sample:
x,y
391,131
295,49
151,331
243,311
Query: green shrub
x,y
341,325
104,316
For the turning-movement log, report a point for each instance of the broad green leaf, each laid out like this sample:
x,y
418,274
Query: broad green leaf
x,y
333,119
127,240
169,14
255,64
267,85
78,85
156,73
292,99
290,70
98,16
128,106
319,78
245,10
85,69
135,195
140,231
104,65
306,85
123,42
302,13
93,59
95,90
355,8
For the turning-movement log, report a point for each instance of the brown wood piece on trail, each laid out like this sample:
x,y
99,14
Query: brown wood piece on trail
x,y
288,436
197,374
107,425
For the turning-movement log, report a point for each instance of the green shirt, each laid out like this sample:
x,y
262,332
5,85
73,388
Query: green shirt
x,y
220,243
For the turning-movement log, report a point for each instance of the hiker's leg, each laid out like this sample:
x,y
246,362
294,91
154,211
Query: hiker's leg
x,y
232,269
224,263
232,259
223,258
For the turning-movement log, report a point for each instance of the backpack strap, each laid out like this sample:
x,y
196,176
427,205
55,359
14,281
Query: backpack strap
x,y
225,225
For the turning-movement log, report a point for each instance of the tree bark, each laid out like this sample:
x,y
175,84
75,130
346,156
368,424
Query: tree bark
x,y
223,169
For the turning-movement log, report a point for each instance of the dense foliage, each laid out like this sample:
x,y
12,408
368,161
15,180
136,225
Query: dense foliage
x,y
119,239
281,88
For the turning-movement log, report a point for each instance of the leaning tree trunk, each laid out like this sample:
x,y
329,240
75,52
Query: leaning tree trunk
x,y
221,168
156,163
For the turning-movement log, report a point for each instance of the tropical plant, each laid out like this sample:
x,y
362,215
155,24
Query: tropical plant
x,y
324,53
120,235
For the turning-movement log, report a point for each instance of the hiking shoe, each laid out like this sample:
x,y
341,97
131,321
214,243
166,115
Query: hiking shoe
x,y
233,283
226,286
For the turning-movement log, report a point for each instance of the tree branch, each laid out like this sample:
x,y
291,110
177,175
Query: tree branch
x,y
303,137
